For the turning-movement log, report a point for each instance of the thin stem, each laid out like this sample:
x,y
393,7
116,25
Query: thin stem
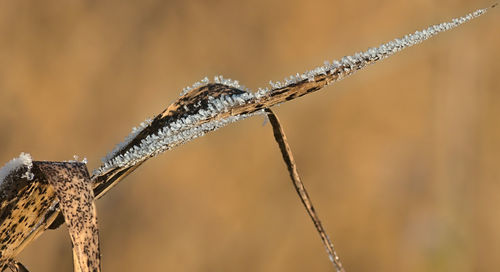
x,y
279,135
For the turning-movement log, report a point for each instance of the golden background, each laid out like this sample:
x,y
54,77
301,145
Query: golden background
x,y
401,160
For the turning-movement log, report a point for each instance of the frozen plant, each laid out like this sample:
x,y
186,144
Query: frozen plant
x,y
64,191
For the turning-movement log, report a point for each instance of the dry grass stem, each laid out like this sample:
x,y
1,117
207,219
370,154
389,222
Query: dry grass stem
x,y
286,152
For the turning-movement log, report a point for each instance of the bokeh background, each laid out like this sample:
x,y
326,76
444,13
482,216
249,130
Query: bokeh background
x,y
401,159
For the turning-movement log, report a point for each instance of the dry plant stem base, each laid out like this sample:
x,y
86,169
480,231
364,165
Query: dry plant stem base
x,y
286,152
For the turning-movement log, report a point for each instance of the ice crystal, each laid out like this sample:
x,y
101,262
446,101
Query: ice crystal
x,y
200,83
24,159
130,137
227,81
76,158
261,92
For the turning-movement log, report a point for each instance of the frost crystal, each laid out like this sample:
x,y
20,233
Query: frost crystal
x,y
76,158
24,159
227,81
200,83
130,137
261,93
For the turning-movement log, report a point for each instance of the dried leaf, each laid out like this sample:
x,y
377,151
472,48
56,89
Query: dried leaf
x,y
74,191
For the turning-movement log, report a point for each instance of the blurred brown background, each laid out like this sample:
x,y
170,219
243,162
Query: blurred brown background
x,y
401,159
